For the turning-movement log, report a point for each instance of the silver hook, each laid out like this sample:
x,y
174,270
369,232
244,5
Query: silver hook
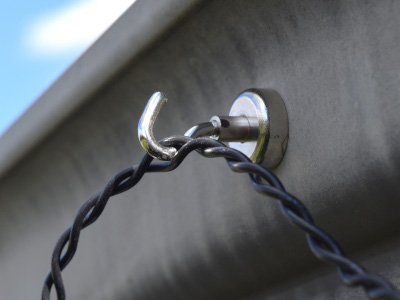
x,y
257,126
145,129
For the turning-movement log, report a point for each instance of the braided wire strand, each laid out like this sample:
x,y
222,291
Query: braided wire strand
x,y
322,245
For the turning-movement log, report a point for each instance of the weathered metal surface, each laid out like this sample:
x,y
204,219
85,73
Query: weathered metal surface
x,y
201,233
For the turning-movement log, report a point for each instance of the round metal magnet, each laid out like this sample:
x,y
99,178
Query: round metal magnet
x,y
268,108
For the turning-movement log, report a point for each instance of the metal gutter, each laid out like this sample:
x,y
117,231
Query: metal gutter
x,y
148,19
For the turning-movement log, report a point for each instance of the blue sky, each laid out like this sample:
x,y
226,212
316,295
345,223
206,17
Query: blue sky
x,y
39,40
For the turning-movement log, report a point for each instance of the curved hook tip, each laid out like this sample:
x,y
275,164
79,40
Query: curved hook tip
x,y
145,129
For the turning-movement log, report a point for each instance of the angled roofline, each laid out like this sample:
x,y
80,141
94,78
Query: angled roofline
x,y
149,20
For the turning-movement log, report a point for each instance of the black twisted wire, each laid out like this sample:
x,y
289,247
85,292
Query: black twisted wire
x,y
321,244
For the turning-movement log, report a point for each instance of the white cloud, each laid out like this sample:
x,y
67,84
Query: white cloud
x,y
73,27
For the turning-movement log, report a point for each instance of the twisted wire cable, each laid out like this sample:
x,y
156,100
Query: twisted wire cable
x,y
263,181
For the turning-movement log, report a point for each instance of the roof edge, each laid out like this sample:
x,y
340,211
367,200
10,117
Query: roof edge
x,y
97,65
